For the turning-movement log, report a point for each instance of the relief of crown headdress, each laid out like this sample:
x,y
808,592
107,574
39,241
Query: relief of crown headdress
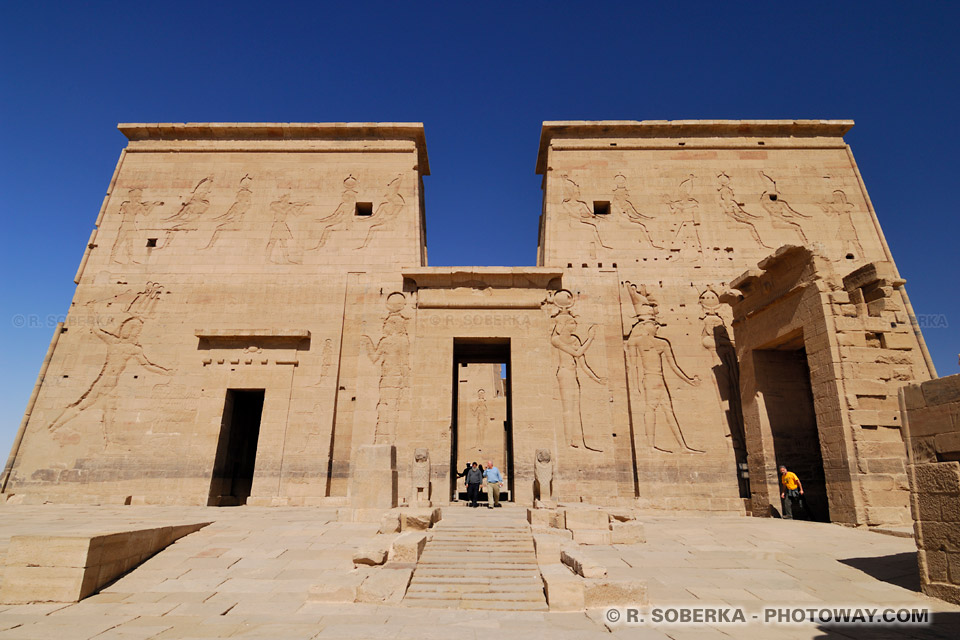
x,y
644,305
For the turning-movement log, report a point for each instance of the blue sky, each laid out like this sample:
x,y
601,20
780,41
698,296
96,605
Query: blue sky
x,y
481,77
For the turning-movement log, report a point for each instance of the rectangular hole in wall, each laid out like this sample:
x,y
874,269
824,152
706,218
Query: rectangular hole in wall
x,y
364,209
151,242
601,207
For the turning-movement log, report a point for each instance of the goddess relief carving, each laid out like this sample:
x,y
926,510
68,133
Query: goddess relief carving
x,y
482,415
281,249
187,218
685,211
232,220
782,215
131,211
579,209
715,338
387,210
841,210
734,209
621,202
339,219
392,353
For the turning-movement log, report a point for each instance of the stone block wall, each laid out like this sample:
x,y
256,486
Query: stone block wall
x,y
931,430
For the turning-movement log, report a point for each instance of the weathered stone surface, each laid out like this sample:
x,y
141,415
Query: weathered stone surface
x,y
627,532
581,563
575,519
542,517
592,537
340,587
564,589
603,592
372,554
418,519
385,586
390,522
547,548
407,547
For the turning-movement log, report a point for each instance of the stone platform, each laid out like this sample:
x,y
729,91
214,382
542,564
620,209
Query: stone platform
x,y
249,574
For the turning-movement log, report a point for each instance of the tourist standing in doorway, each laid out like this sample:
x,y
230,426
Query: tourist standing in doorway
x,y
791,491
474,478
494,480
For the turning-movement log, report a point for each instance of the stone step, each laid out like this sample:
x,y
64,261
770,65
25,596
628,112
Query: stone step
x,y
500,582
476,604
522,592
529,595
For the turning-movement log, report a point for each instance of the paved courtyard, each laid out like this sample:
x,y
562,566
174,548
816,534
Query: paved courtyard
x,y
248,575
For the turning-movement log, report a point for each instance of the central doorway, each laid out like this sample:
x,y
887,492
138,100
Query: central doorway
x,y
236,448
482,411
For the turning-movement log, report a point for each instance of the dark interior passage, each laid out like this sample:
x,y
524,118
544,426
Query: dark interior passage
x,y
783,378
236,448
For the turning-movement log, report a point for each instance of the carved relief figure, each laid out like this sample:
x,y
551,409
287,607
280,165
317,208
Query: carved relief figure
x,y
482,415
420,484
685,210
579,209
392,353
280,248
130,211
842,210
715,338
571,351
646,353
543,476
387,210
326,361
123,347
782,215
621,203
735,211
337,221
188,217
232,220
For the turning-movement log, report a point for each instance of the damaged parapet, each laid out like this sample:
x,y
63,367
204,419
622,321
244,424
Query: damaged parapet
x,y
931,432
821,360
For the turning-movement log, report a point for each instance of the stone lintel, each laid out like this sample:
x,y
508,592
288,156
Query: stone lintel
x,y
232,334
482,277
281,131
580,129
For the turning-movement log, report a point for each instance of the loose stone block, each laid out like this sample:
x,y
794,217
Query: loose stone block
x,y
592,537
602,592
385,586
407,547
564,590
336,587
373,482
575,519
581,563
627,533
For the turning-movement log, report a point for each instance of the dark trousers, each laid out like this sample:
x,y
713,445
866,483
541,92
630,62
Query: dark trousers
x,y
789,503
473,493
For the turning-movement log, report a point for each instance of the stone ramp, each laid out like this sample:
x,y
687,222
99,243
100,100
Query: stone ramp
x,y
479,559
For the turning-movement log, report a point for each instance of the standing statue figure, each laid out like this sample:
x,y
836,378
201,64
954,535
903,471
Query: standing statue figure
x,y
232,220
387,210
734,210
646,349
572,359
122,348
280,234
621,203
130,211
337,221
420,482
579,209
842,210
392,353
782,215
482,415
543,478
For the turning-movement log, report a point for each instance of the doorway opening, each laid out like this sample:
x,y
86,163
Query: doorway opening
x,y
237,448
783,379
482,411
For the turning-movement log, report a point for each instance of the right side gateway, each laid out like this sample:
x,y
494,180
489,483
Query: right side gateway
x,y
764,322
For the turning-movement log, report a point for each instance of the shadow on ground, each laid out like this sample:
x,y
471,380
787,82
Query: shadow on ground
x,y
945,626
899,569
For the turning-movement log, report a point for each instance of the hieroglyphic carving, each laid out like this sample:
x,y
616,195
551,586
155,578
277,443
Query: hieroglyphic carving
x,y
782,215
715,338
190,212
392,353
337,221
232,220
579,209
543,476
387,210
842,211
646,353
685,211
326,360
621,202
482,415
281,249
571,352
734,209
130,211
420,481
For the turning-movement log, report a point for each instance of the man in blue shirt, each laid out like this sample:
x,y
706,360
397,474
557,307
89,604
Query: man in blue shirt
x,y
494,481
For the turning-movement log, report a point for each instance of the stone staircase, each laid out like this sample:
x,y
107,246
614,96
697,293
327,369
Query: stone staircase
x,y
479,559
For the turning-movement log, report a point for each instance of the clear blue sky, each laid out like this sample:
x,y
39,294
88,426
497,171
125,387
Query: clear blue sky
x,y
481,77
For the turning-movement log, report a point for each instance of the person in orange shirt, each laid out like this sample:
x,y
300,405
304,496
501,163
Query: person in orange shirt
x,y
790,491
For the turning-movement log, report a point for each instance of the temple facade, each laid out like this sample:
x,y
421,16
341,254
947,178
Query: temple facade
x,y
712,299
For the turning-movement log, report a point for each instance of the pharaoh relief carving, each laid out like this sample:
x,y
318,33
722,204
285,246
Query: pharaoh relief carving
x,y
685,216
232,220
646,354
187,218
839,209
132,210
387,210
392,353
481,414
123,351
715,338
578,209
621,203
341,216
782,215
281,247
572,362
735,210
